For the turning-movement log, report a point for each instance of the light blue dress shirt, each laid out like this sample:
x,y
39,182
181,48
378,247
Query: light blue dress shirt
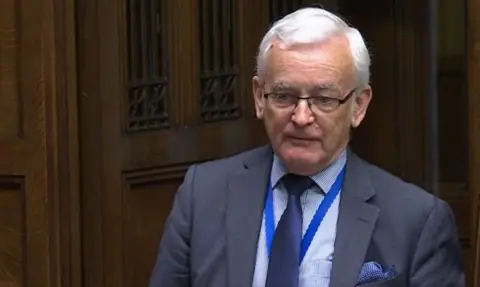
x,y
317,264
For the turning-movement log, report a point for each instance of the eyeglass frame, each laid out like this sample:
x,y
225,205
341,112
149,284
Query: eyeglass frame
x,y
298,98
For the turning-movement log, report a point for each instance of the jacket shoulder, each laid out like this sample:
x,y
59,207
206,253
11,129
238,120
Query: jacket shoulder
x,y
401,197
230,163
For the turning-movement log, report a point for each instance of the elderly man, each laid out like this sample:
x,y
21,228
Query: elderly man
x,y
305,210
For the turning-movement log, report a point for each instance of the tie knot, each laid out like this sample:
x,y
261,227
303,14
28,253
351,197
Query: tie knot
x,y
296,184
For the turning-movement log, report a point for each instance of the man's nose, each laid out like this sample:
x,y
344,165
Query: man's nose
x,y
302,114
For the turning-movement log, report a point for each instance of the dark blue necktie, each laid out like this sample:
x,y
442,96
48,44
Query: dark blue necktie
x,y
284,264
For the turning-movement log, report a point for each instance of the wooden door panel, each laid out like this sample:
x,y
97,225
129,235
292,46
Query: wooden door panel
x,y
27,169
147,204
192,144
12,230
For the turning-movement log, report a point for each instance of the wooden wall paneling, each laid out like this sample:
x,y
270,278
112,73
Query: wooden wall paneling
x,y
473,68
37,190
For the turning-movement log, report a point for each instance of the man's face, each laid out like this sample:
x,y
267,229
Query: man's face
x,y
306,138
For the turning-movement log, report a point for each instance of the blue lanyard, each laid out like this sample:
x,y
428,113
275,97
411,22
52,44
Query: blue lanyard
x,y
314,224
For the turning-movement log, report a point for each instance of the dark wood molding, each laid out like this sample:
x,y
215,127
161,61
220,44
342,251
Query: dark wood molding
x,y
155,174
63,143
91,142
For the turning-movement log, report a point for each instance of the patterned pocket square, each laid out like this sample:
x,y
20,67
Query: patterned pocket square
x,y
373,272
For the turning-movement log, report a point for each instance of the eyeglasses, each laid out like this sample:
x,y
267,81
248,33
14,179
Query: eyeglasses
x,y
284,100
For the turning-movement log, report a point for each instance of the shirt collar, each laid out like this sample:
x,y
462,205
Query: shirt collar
x,y
324,179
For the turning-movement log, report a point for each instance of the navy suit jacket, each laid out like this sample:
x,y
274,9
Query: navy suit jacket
x,y
210,237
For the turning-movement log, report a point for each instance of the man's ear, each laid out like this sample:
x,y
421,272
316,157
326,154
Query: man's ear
x,y
360,106
257,89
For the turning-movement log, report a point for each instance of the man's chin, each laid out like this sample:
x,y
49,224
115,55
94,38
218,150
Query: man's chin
x,y
301,143
301,163
302,154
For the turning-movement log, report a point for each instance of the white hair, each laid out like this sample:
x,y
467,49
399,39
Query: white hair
x,y
315,25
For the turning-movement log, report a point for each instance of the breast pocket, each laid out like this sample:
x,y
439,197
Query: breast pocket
x,y
394,282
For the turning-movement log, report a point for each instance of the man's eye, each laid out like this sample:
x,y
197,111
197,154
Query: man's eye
x,y
282,97
324,100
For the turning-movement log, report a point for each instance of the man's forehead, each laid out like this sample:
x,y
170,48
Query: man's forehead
x,y
321,64
331,54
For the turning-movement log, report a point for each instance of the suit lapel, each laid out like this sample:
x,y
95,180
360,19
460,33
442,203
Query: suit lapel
x,y
245,203
356,222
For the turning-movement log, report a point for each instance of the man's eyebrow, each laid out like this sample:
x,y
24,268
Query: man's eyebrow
x,y
281,85
317,87
325,86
